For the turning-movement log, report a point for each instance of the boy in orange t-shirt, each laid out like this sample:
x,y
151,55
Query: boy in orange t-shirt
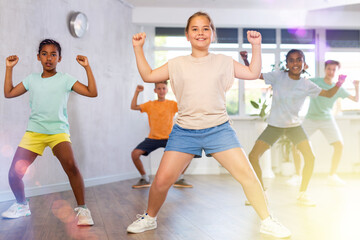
x,y
161,113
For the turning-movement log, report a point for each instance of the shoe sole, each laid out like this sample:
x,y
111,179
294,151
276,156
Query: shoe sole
x,y
86,224
144,230
276,236
6,217
182,186
142,186
305,204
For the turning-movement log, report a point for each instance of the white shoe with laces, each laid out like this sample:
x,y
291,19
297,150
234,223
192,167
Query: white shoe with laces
x,y
334,180
84,217
143,223
305,200
294,181
273,227
17,210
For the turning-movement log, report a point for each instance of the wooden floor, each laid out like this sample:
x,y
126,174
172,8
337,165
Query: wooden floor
x,y
213,210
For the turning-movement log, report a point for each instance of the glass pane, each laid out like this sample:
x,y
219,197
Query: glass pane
x,y
257,89
297,36
224,45
232,99
162,57
227,35
232,96
350,65
268,36
173,42
263,46
297,46
343,38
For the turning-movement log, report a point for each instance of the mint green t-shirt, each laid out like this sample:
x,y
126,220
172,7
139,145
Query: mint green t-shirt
x,y
48,102
320,107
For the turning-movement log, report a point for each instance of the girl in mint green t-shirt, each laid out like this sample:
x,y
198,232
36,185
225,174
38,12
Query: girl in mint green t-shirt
x,y
48,124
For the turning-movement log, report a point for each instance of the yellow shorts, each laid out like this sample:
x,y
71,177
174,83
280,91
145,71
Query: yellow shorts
x,y
37,142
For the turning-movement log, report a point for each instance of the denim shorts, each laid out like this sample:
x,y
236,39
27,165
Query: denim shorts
x,y
211,140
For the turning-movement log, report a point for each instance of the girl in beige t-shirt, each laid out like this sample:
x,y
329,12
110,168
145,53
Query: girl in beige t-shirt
x,y
199,82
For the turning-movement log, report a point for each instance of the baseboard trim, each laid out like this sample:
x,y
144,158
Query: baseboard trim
x,y
65,186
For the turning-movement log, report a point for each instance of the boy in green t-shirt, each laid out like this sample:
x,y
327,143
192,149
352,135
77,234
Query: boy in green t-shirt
x,y
319,117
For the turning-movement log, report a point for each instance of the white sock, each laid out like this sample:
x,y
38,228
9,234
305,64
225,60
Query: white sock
x,y
181,177
145,177
267,219
154,218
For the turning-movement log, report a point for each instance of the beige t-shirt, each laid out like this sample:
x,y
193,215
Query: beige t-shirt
x,y
199,85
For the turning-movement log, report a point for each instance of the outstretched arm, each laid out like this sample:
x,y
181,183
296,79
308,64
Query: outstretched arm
x,y
356,97
147,74
244,57
331,92
78,87
254,69
134,105
9,90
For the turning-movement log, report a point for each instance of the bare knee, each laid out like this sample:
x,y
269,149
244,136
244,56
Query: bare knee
x,y
254,158
15,174
338,146
162,183
71,169
309,158
135,154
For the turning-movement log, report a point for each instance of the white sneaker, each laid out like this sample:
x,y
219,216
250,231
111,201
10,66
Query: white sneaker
x,y
305,200
17,210
143,223
84,217
273,227
295,180
334,180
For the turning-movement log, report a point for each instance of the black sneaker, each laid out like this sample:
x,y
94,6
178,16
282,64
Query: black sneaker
x,y
142,183
181,183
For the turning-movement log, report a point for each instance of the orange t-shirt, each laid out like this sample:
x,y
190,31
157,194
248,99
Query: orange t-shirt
x,y
160,115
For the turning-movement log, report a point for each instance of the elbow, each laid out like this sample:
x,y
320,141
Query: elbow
x,y
255,76
147,80
93,95
8,95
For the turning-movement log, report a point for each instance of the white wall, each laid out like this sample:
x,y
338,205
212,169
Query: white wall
x,y
103,129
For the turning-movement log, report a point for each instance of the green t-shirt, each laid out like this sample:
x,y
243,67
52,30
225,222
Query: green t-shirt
x,y
320,107
48,102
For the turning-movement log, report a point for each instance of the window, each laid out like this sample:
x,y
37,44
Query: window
x,y
343,38
268,37
350,66
341,45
